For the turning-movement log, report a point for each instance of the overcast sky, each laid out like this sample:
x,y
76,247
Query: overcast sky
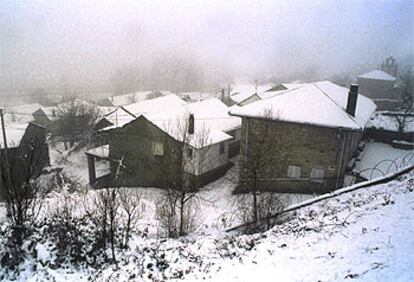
x,y
45,43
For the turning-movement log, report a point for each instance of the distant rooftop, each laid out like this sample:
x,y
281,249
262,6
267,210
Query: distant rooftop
x,y
210,116
128,113
377,75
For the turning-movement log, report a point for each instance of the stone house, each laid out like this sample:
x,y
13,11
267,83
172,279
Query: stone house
x,y
144,145
27,150
126,114
380,87
308,135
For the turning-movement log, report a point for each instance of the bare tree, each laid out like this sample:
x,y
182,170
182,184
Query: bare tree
x,y
406,93
254,164
76,119
102,209
154,94
133,208
132,99
183,163
20,191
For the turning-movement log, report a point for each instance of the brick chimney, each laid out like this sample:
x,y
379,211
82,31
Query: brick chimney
x,y
191,124
352,99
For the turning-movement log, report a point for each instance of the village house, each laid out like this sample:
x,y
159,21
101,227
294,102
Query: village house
x,y
380,87
141,145
46,117
310,133
126,114
27,150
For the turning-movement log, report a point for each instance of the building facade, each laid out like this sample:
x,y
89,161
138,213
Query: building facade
x,y
301,141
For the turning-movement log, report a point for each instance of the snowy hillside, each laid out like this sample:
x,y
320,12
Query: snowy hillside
x,y
364,235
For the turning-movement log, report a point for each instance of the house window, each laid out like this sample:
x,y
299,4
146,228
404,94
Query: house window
x,y
189,153
222,148
157,148
293,171
317,175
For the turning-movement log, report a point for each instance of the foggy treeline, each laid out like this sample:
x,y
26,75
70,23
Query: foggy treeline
x,y
50,48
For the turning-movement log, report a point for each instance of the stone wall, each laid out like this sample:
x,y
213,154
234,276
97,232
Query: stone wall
x,y
301,145
377,89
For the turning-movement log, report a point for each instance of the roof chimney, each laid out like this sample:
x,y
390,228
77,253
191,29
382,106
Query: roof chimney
x,y
191,124
352,99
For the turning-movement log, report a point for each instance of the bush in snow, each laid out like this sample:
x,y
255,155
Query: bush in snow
x,y
267,207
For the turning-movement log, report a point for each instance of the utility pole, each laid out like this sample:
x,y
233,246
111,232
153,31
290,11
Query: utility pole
x,y
6,157
1,165
3,128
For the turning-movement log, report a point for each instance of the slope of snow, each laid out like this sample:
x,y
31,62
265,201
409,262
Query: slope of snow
x,y
366,235
368,242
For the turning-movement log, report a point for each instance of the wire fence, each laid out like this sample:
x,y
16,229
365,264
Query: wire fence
x,y
387,166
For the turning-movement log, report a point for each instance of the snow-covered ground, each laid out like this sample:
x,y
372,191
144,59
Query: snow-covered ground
x,y
75,164
364,235
379,159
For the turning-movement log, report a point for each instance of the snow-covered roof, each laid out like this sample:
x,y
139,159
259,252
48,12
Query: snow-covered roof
x,y
100,152
320,103
26,109
210,116
126,114
378,75
14,134
129,98
241,92
51,112
292,85
157,104
119,117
